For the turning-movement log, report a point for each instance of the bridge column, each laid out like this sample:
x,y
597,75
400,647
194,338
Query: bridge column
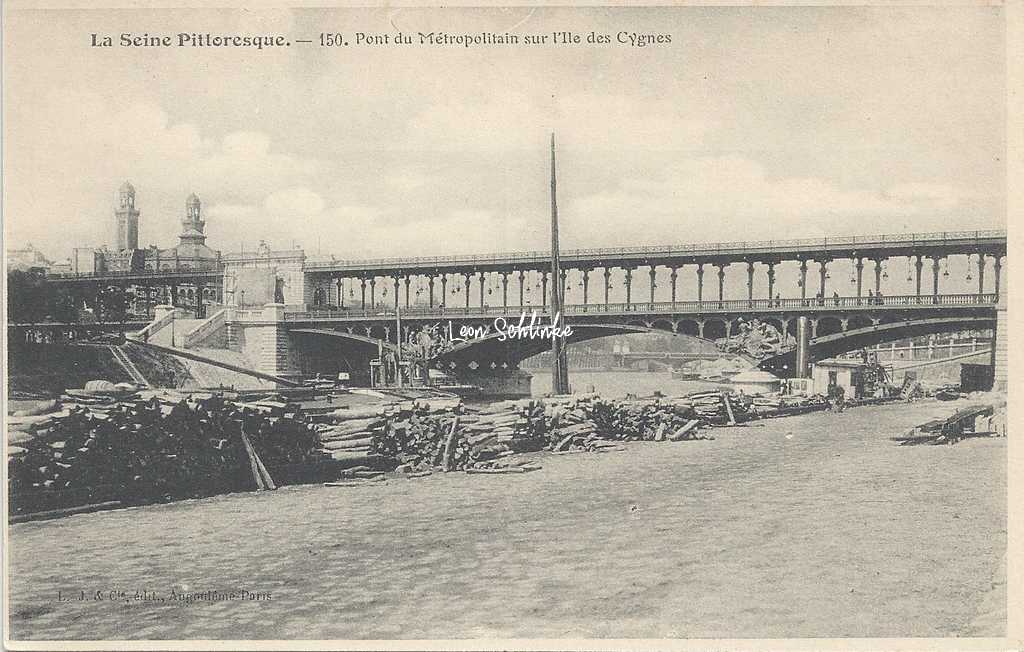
x,y
544,290
469,280
824,274
750,284
341,292
981,274
814,328
362,293
997,267
561,286
935,278
673,277
859,264
430,291
522,287
654,284
629,286
803,279
504,289
878,276
721,282
700,282
771,282
373,292
586,285
407,280
482,288
444,289
918,265
607,285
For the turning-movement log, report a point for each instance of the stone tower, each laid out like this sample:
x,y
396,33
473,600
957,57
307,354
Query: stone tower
x,y
193,222
127,217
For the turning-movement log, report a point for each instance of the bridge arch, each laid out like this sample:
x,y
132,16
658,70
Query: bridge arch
x,y
688,327
663,325
829,325
715,328
825,346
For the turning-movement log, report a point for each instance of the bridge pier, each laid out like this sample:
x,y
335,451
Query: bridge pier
x,y
981,273
673,277
1000,344
750,283
700,283
997,268
918,265
803,349
803,279
935,278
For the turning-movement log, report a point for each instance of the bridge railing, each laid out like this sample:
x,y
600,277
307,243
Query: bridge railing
x,y
713,248
663,307
823,244
212,324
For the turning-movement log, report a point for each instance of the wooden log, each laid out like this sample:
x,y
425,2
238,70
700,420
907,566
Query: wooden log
x,y
728,408
564,442
678,435
350,455
256,475
355,425
475,439
362,434
660,434
349,414
18,437
449,445
57,513
344,444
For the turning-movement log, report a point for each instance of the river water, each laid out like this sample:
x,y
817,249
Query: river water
x,y
616,384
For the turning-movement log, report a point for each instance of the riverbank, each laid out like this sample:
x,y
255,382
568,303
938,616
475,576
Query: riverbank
x,y
815,525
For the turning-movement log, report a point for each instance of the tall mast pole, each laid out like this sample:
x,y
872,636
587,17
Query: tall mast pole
x,y
560,368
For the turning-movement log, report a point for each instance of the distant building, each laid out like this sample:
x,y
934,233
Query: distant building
x,y
190,253
27,259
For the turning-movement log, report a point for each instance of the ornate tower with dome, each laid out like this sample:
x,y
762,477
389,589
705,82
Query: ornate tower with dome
x,y
192,224
127,219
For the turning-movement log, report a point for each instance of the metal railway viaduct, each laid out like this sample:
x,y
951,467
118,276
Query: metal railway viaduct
x,y
331,315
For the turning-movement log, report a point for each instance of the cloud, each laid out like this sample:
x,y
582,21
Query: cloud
x,y
693,199
294,202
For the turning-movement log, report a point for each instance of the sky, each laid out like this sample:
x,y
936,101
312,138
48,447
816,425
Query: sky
x,y
751,124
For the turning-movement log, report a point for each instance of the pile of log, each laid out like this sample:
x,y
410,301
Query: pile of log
x,y
139,451
768,406
718,407
590,423
505,426
348,436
